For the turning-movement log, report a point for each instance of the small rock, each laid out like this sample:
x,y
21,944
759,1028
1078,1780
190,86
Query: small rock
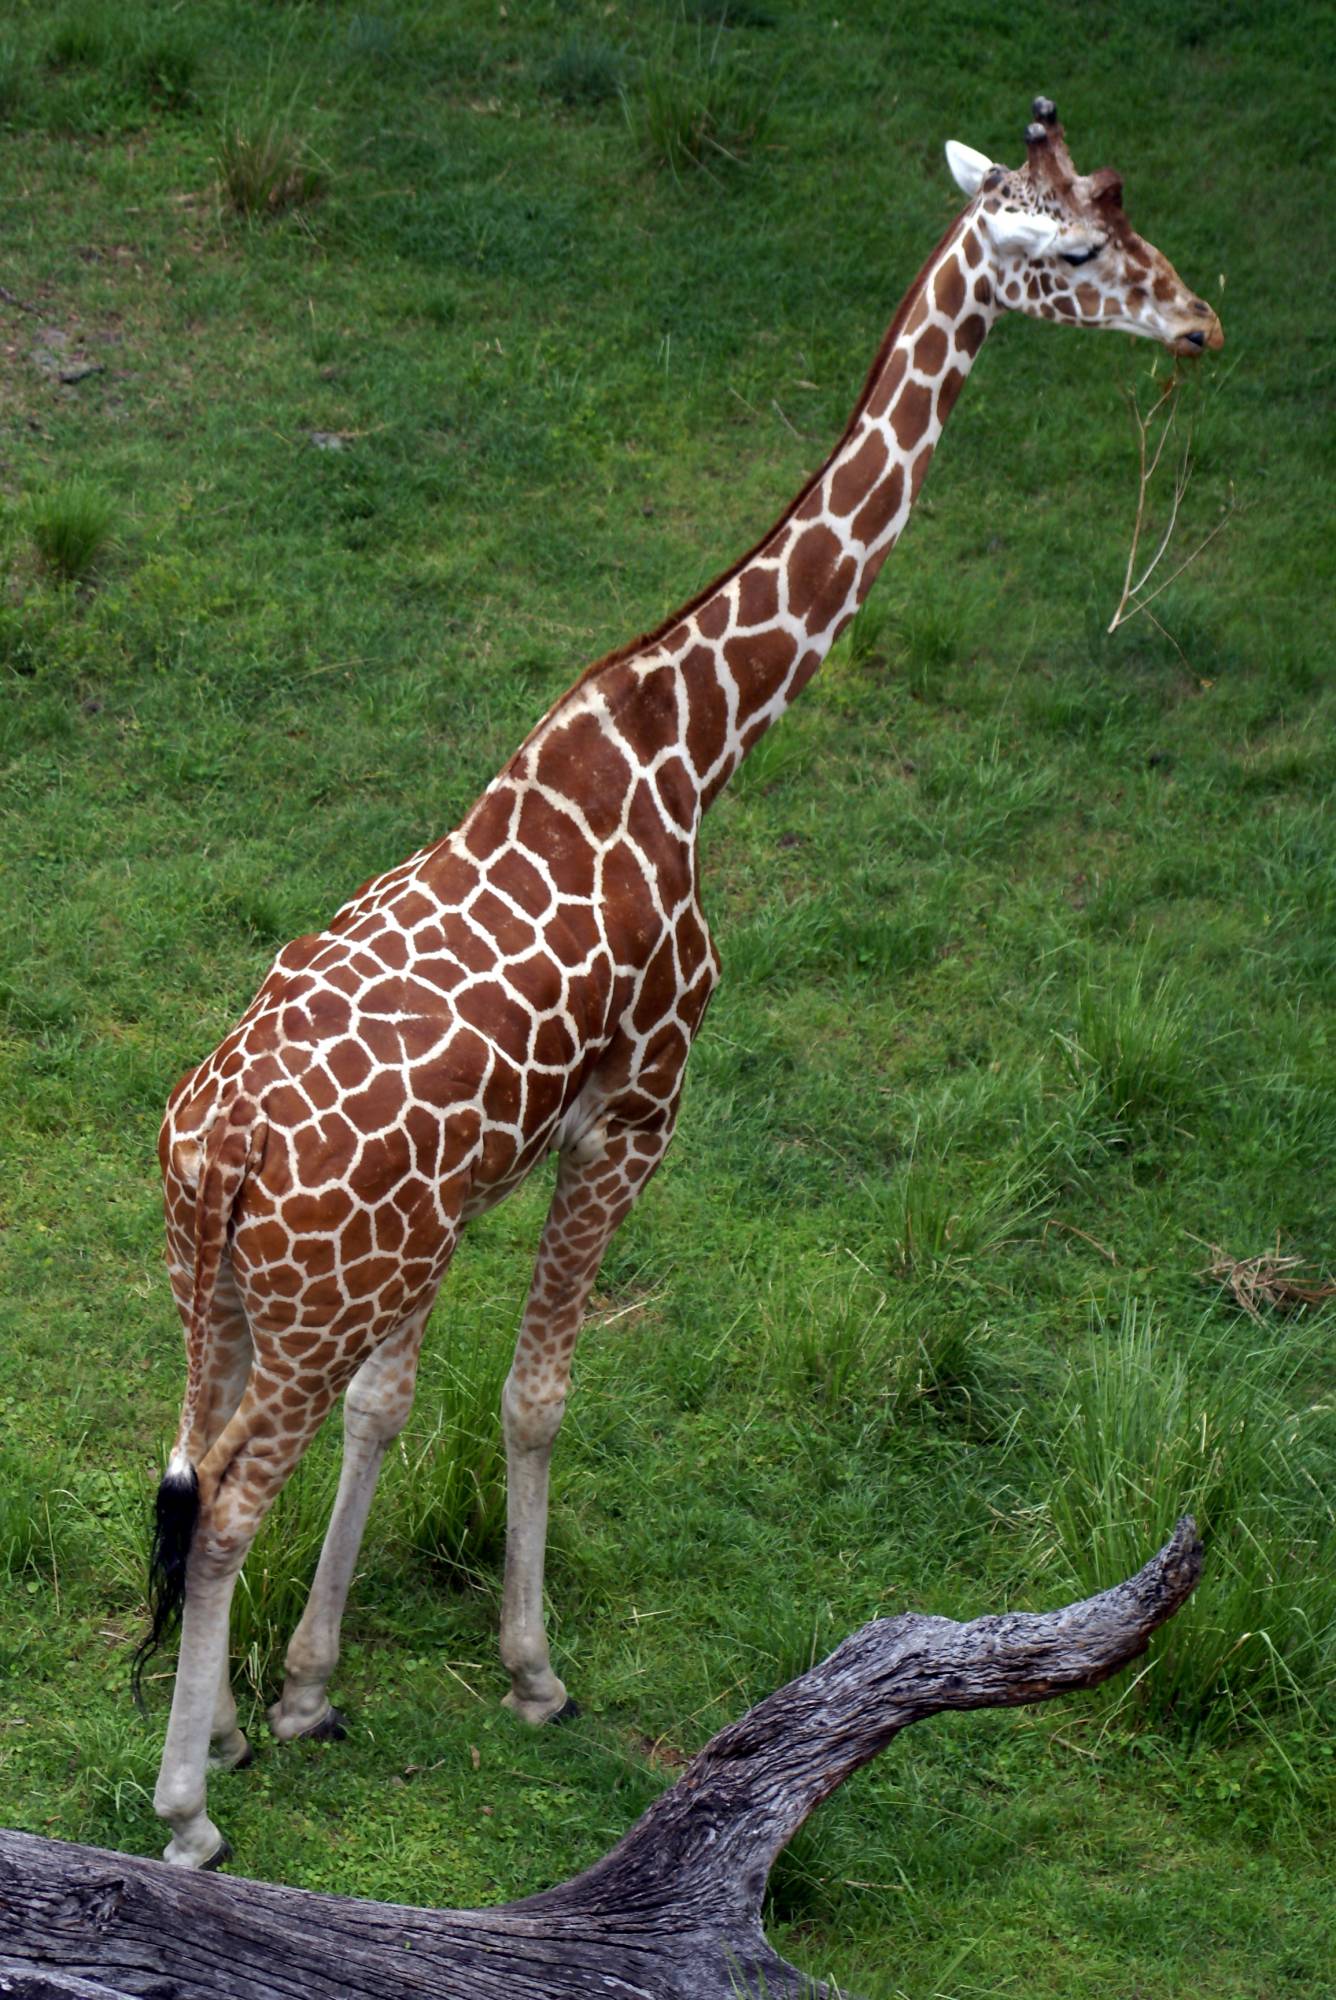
x,y
329,441
79,371
1158,759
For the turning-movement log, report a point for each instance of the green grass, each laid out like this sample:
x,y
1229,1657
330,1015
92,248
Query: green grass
x,y
1027,936
71,527
693,108
264,167
1232,1437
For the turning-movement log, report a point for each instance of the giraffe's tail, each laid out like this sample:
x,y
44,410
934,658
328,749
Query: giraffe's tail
x,y
175,1512
219,1167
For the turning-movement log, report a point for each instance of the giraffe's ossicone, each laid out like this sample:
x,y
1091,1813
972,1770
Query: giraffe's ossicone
x,y
532,983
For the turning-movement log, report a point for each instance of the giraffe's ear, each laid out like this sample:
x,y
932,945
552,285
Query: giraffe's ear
x,y
1015,233
967,167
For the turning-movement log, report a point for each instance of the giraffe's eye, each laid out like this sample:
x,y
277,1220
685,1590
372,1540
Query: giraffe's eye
x,y
1080,256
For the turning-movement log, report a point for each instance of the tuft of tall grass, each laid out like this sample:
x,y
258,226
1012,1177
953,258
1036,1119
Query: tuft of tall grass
x,y
947,1206
13,78
1145,1437
127,61
79,40
1139,1047
165,65
855,1348
266,167
115,1760
451,1505
30,1537
71,525
695,112
937,1218
870,638
583,71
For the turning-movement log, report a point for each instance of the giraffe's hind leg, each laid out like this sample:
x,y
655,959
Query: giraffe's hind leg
x,y
231,1355
229,1748
239,1479
596,1185
375,1410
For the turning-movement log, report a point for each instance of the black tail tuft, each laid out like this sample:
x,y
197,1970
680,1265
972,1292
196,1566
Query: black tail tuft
x,y
175,1515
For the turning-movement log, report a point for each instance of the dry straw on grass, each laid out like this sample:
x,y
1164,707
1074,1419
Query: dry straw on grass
x,y
1269,1280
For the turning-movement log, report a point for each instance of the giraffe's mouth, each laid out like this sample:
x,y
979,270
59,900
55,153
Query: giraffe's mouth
x,y
1197,339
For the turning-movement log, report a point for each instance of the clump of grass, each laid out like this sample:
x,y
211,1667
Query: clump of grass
x,y
452,1501
29,1539
946,1209
372,40
71,526
164,65
266,168
855,1347
938,1219
583,72
1140,1047
869,637
115,1761
1145,1438
129,66
697,112
79,40
12,77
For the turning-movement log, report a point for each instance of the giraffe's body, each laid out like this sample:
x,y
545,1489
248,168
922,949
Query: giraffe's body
x,y
532,982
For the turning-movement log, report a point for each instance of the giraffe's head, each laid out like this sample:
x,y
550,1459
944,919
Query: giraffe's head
x,y
1063,249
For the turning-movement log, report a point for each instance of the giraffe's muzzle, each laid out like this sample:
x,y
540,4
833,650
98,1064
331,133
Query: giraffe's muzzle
x,y
1208,332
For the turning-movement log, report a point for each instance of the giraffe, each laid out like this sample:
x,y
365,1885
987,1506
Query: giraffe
x,y
532,983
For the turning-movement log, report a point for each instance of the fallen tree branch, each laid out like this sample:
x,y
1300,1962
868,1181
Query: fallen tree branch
x,y
672,1913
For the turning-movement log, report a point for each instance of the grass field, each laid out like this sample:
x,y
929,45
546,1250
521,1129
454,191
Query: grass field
x,y
367,372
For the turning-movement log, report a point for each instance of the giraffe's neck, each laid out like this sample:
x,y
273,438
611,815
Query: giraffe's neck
x,y
693,697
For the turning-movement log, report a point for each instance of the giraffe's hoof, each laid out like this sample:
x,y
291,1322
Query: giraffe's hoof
x,y
236,1757
538,1709
331,1728
220,1856
327,1728
570,1710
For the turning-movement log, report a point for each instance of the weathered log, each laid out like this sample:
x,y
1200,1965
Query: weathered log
x,y
673,1912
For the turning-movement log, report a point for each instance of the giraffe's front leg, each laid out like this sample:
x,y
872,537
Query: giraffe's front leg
x,y
375,1410
596,1185
531,1428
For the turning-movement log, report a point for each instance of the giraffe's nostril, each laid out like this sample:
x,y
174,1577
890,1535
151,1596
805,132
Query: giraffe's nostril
x,y
1198,339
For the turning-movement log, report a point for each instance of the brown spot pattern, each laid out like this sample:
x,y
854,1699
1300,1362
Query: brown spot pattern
x,y
912,413
930,351
855,479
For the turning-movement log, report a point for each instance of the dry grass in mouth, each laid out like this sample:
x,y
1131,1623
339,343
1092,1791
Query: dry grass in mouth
x,y
1154,430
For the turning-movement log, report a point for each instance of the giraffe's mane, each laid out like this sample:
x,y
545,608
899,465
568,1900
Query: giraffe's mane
x,y
651,638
